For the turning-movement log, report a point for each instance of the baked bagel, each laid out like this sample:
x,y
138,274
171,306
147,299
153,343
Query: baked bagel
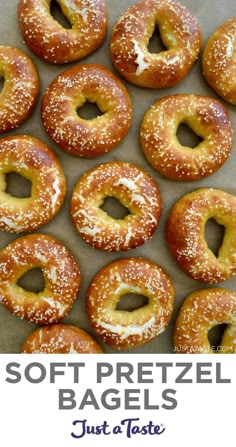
x,y
200,312
60,339
69,92
61,276
123,329
179,31
33,160
134,188
218,61
208,119
186,234
50,41
20,89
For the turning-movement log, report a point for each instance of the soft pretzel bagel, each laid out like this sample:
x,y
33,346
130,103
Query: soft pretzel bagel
x,y
68,92
179,31
51,41
200,312
218,61
208,119
20,90
60,339
34,161
61,276
134,188
186,237
122,329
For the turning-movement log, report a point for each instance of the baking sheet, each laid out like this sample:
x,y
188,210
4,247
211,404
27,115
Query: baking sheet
x,y
13,331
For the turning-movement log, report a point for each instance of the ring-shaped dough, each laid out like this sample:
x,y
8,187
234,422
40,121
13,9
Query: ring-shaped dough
x,y
61,276
20,89
60,339
50,41
34,161
218,61
200,312
179,31
69,92
208,119
122,329
134,188
186,234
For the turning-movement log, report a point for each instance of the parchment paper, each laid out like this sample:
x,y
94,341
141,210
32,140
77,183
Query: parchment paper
x,y
210,13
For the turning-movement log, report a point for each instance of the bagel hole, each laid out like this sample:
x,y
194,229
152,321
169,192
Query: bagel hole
x,y
18,186
215,335
58,15
89,110
131,301
187,137
32,280
114,208
214,235
156,44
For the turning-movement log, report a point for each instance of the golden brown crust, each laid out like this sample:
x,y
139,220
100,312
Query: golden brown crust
x,y
218,61
60,339
199,313
61,275
179,30
207,117
34,161
228,341
51,41
134,188
68,92
186,237
123,329
21,88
